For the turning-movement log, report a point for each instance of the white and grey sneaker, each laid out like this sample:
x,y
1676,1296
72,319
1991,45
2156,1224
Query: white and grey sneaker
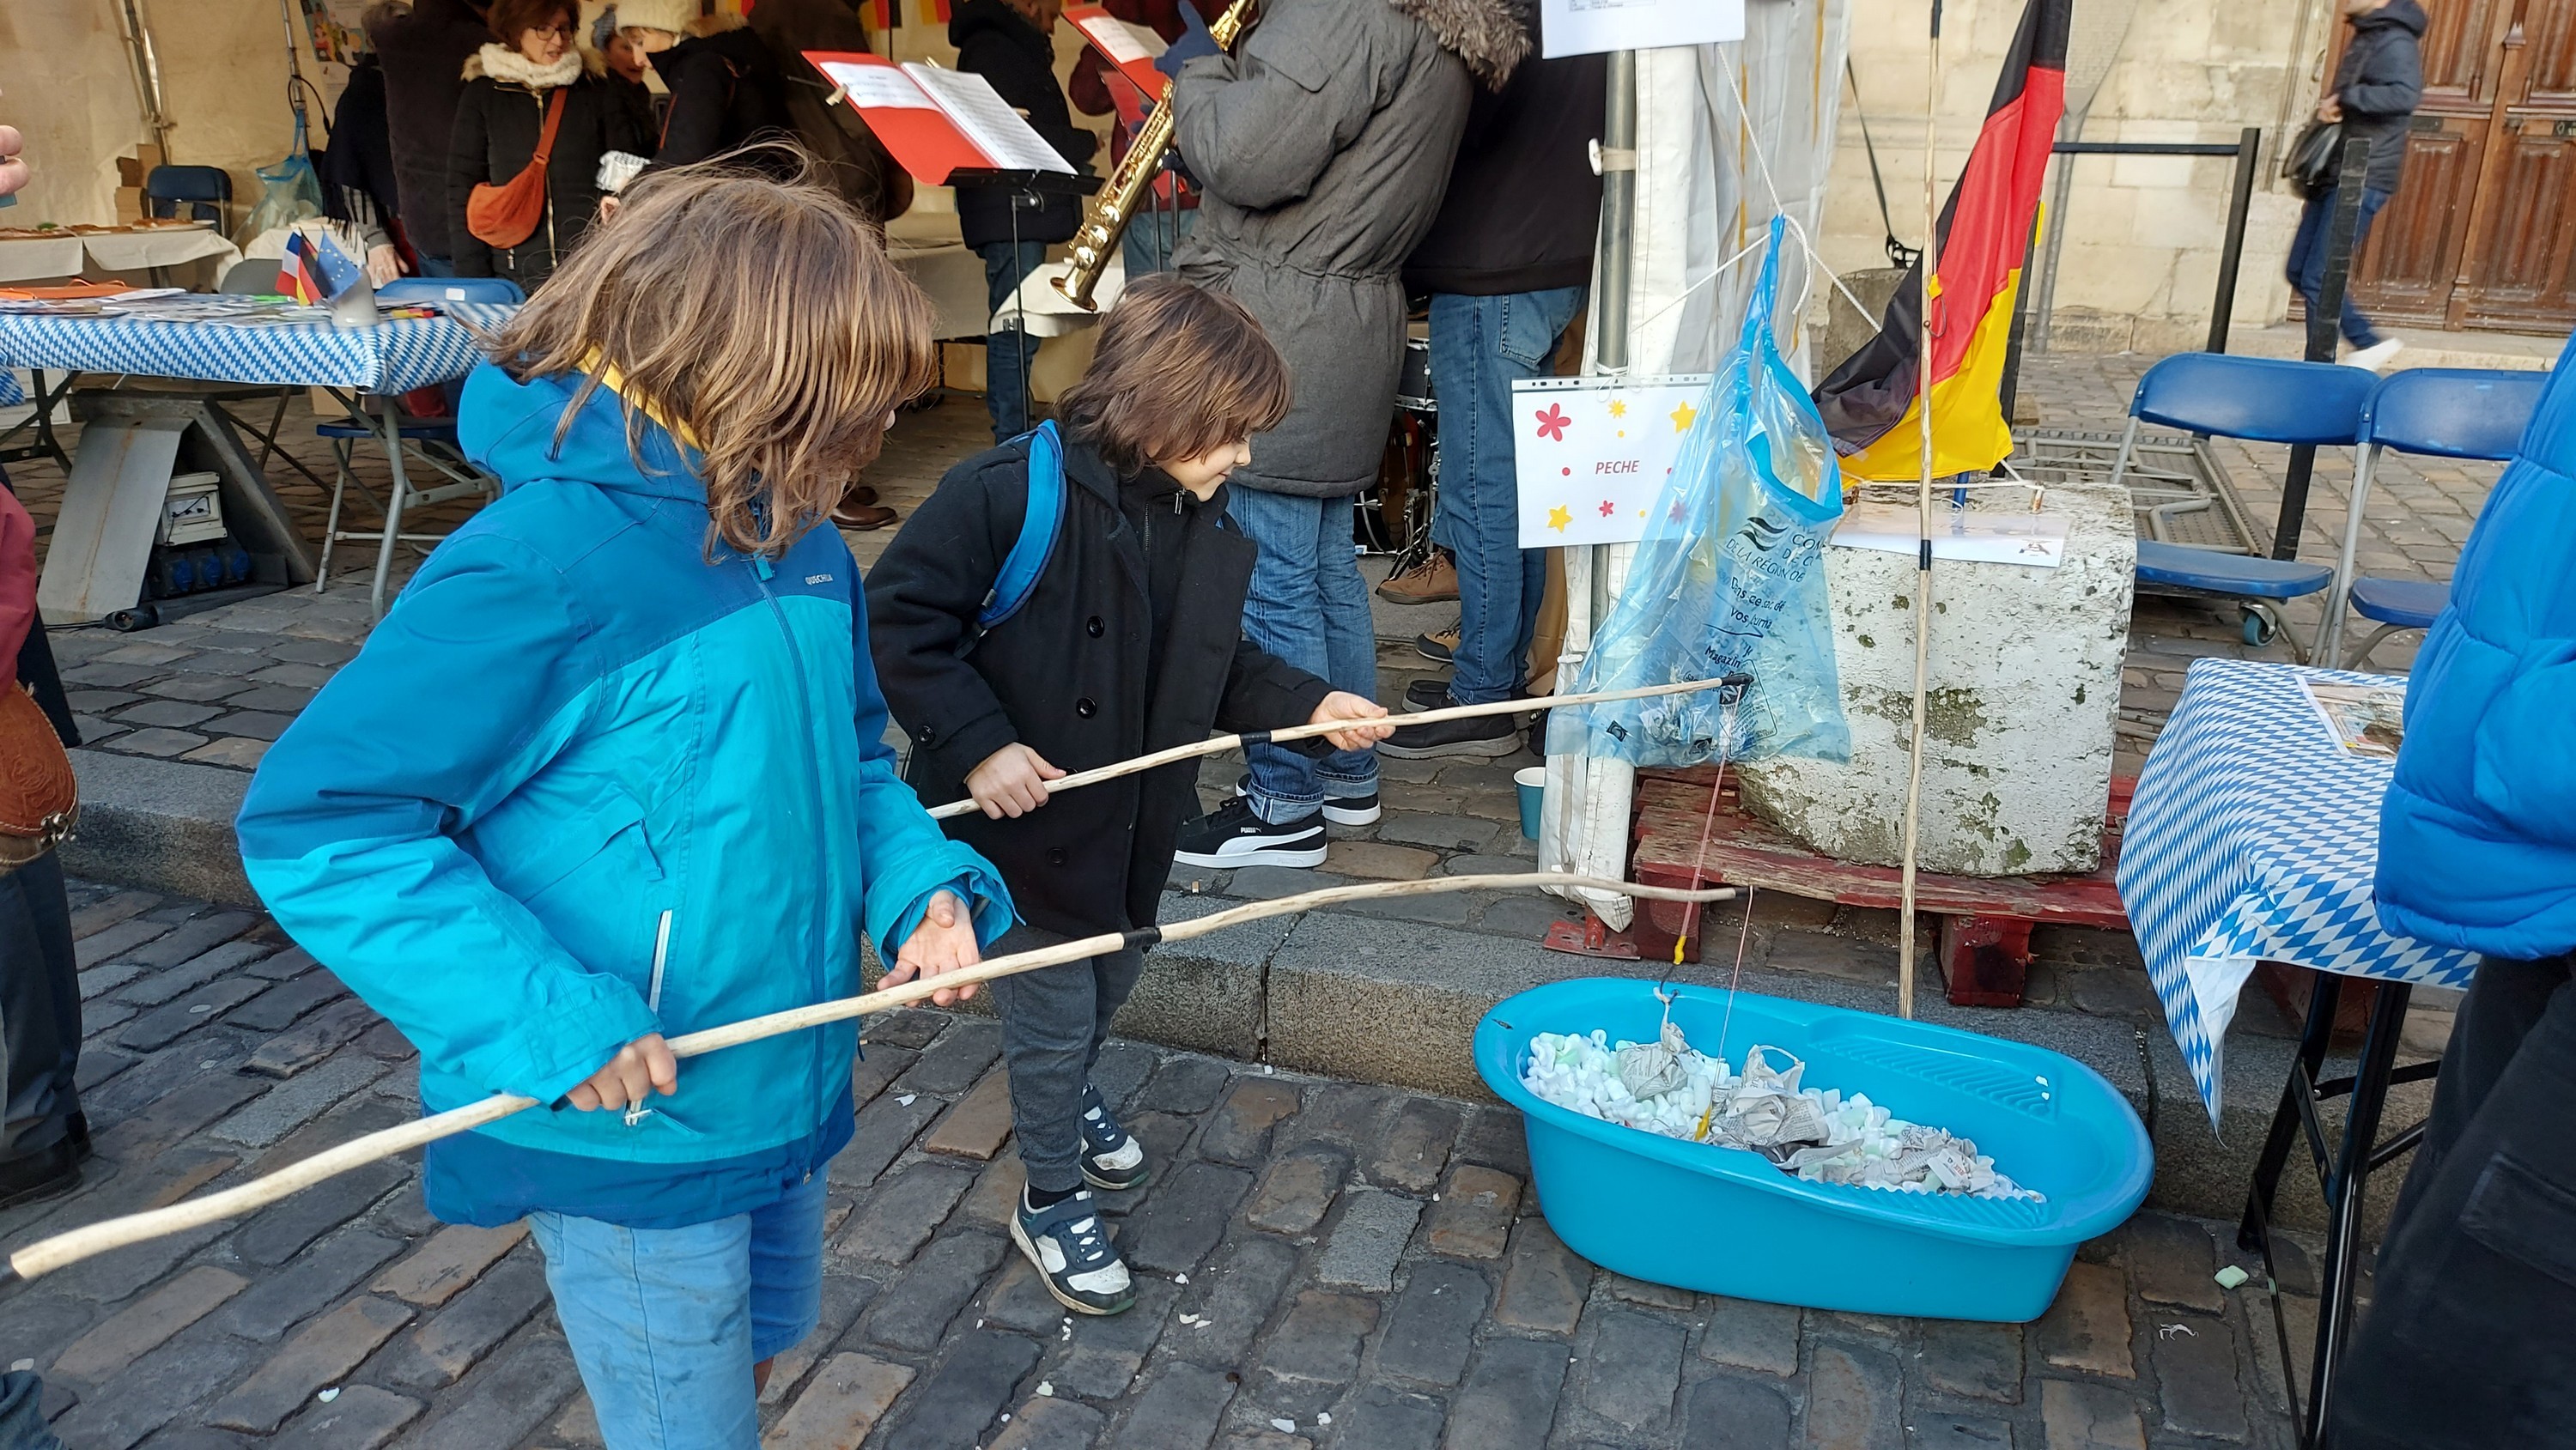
x,y
1232,835
1072,1252
1113,1159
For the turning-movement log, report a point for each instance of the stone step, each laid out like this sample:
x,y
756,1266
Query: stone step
x,y
1364,997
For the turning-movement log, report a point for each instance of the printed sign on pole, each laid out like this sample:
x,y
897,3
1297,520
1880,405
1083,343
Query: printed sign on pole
x,y
1592,454
1589,27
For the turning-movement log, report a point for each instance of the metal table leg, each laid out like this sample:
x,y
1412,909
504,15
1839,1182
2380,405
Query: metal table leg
x,y
2342,1168
393,506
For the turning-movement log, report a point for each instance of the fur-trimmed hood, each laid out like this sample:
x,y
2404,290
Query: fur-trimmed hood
x,y
1489,35
504,64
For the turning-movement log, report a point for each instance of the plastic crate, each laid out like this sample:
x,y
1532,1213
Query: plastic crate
x,y
1726,1221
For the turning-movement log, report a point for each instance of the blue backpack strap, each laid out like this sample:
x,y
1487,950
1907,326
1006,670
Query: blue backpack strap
x,y
1018,577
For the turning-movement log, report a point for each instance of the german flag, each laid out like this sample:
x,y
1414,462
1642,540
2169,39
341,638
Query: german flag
x,y
1869,403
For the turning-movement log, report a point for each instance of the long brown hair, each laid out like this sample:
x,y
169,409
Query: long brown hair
x,y
1178,370
760,321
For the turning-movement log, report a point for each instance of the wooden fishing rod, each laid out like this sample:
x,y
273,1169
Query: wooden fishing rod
x,y
1218,744
70,1247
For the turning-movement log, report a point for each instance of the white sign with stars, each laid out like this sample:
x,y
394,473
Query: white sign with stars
x,y
1593,454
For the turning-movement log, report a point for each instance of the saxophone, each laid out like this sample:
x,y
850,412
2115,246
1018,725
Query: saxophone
x,y
1105,219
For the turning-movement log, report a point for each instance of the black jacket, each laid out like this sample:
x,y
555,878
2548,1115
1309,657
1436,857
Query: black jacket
x,y
2380,80
358,181
1523,201
1072,675
996,42
424,50
725,92
497,125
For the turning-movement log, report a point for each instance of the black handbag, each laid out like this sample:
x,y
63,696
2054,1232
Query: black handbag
x,y
2313,159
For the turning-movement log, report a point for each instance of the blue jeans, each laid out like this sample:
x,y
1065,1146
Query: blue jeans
x,y
1152,238
1308,606
667,1323
2307,266
1479,347
1007,353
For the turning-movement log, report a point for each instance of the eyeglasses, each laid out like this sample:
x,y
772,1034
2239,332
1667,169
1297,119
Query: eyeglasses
x,y
563,31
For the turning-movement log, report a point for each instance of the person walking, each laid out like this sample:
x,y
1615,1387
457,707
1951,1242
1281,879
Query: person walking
x,y
1323,145
1008,43
1506,265
531,82
2375,91
424,47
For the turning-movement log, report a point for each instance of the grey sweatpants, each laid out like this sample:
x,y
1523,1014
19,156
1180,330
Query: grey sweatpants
x,y
1053,1022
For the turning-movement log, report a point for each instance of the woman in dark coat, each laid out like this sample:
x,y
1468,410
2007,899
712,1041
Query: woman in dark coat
x,y
508,88
726,92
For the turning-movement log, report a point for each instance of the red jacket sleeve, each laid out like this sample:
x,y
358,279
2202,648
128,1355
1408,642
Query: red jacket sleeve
x,y
17,583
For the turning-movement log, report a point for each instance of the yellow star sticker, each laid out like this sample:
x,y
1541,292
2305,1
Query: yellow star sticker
x,y
1558,517
1682,417
1618,407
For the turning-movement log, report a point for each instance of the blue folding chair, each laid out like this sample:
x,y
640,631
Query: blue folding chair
x,y
2472,413
344,433
204,190
2263,400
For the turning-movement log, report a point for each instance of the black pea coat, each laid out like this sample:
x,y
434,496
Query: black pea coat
x,y
498,123
1067,676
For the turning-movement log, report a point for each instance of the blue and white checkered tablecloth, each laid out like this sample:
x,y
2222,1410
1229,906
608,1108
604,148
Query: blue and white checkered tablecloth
x,y
394,356
2254,837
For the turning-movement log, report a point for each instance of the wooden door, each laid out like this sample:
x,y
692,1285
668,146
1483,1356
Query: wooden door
x,y
2480,230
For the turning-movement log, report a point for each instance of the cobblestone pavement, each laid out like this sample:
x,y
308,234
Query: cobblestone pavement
x,y
1321,1265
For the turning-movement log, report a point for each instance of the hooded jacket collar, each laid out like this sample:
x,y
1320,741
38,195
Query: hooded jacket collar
x,y
507,427
502,63
1488,34
2403,14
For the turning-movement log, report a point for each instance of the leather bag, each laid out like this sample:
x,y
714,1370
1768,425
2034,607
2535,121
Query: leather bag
x,y
2314,158
506,215
39,796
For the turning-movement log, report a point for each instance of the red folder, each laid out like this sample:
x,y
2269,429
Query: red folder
x,y
935,122
1130,49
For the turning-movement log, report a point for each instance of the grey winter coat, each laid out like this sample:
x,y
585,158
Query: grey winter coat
x,y
1323,145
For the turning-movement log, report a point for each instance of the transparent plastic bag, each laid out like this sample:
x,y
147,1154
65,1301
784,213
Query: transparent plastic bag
x,y
1728,579
289,192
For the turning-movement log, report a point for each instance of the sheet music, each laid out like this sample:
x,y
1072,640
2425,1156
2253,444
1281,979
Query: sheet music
x,y
1121,41
876,85
997,130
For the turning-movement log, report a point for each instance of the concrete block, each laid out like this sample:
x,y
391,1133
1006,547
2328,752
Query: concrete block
x,y
1205,994
162,824
2024,700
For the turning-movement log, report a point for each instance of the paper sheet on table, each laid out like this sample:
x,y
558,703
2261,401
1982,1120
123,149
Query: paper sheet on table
x,y
2035,541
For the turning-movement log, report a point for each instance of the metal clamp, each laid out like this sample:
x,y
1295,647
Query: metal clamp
x,y
1607,159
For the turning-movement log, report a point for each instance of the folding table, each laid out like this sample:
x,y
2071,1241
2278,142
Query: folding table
x,y
102,540
2254,836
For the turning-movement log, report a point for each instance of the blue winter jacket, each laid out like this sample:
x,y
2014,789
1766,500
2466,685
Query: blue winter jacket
x,y
584,784
2477,838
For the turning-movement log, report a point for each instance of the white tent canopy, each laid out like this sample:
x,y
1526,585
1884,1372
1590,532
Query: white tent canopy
x,y
1727,137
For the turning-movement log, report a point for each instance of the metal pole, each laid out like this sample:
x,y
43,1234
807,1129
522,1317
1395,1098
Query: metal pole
x,y
2062,190
2322,327
1930,271
2231,252
1611,272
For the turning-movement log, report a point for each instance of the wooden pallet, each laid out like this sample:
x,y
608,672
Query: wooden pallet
x,y
1985,921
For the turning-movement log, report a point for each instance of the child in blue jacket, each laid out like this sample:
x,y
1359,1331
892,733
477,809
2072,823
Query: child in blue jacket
x,y
611,769
2471,1336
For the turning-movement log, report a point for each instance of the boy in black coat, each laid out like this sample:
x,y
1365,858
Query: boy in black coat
x,y
1129,641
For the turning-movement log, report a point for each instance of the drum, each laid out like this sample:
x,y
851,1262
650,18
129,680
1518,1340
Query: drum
x,y
1395,516
1413,392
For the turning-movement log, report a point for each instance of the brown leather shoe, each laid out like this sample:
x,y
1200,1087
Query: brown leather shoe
x,y
859,497
1433,581
863,517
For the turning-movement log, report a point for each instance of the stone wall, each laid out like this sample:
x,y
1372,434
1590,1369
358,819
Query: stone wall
x,y
2142,234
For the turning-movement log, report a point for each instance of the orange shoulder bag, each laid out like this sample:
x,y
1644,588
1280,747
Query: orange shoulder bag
x,y
507,215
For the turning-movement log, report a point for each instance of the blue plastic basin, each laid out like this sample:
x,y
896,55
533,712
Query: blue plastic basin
x,y
1725,1221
